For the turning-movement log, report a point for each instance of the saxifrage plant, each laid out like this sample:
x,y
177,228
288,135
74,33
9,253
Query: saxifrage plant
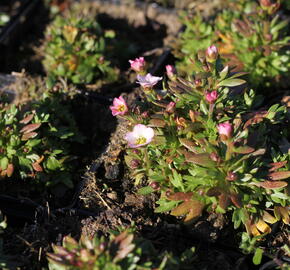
x,y
201,145
36,142
123,251
251,37
75,48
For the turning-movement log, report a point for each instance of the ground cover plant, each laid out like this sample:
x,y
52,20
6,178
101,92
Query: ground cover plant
x,y
76,49
122,251
252,37
200,145
36,141
151,166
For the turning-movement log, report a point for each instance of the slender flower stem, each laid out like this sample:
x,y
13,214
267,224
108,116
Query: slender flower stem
x,y
229,150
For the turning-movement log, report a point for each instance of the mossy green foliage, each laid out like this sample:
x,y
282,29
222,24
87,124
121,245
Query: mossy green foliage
x,y
251,38
75,48
37,142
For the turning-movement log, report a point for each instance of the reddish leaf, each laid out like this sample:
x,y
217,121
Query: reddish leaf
x,y
37,167
157,123
279,175
224,200
27,119
30,127
180,196
272,184
10,170
195,207
214,192
190,145
199,159
28,136
193,213
256,117
277,165
244,150
236,200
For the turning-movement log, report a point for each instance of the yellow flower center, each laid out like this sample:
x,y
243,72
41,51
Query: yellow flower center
x,y
121,108
140,140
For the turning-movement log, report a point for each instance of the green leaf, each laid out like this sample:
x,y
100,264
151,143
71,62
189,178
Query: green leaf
x,y
145,190
258,256
176,180
4,163
53,164
224,73
165,206
231,82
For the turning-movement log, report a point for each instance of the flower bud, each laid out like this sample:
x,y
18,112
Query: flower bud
x,y
102,246
231,176
211,97
214,156
211,54
170,108
168,193
145,114
135,163
154,185
171,72
198,82
225,130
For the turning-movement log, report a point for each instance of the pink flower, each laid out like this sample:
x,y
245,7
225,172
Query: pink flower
x,y
138,64
119,106
141,135
148,80
170,71
211,53
225,129
211,97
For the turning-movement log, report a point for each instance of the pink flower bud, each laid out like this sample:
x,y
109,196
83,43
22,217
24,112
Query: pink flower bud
x,y
138,64
211,97
198,82
154,185
225,129
119,106
170,71
211,53
170,107
135,163
231,176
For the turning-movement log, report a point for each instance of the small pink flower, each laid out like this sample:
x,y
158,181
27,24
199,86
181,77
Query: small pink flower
x,y
119,106
211,97
225,129
138,64
141,135
211,53
170,71
148,80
